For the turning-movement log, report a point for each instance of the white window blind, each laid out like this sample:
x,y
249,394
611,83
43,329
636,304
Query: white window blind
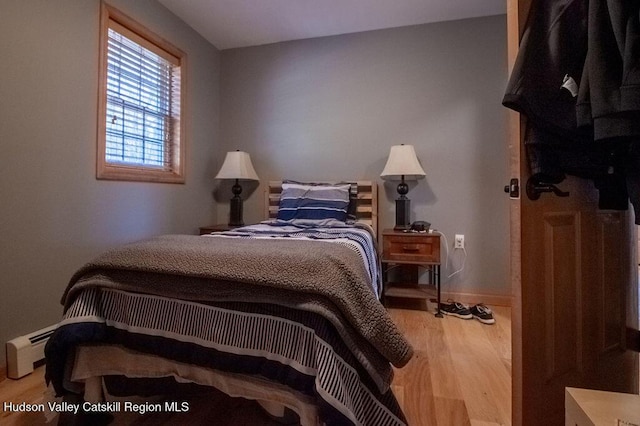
x,y
142,102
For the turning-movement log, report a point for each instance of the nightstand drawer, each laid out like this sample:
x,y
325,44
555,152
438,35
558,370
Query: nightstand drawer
x,y
411,248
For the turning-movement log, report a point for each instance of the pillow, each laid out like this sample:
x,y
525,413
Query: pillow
x,y
319,202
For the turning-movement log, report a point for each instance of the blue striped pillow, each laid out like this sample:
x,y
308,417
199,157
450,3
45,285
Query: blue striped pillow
x,y
313,202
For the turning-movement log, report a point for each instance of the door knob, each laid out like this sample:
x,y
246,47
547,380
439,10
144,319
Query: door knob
x,y
536,188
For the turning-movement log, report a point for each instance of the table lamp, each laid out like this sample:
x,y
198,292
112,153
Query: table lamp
x,y
237,165
402,165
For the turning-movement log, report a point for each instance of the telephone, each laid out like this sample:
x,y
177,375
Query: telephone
x,y
420,226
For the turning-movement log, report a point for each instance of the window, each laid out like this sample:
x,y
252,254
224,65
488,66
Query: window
x,y
140,131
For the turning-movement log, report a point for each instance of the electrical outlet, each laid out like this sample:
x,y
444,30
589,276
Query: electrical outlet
x,y
459,242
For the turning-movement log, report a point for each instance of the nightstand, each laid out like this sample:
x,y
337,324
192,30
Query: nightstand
x,y
411,249
216,228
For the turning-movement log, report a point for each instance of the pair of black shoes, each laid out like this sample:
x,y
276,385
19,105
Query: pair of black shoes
x,y
480,311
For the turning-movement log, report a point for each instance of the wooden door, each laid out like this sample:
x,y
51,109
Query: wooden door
x,y
574,286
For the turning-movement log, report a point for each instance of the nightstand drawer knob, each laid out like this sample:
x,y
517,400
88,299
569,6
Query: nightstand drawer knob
x,y
411,247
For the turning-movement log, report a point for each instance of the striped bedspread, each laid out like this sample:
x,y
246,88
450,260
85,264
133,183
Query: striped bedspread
x,y
358,237
246,303
294,348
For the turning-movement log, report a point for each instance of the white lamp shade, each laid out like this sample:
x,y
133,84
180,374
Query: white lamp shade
x,y
237,165
402,161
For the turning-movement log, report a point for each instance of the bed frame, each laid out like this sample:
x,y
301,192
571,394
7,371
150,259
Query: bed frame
x,y
366,192
272,397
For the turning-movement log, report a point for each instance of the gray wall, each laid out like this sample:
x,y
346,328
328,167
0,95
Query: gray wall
x,y
55,215
330,108
326,108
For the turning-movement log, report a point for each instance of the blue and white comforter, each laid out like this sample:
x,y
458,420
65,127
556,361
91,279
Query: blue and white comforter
x,y
358,237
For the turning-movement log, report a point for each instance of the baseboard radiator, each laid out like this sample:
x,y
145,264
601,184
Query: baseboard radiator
x,y
26,351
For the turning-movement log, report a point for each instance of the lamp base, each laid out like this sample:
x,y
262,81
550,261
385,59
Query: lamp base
x,y
403,223
235,212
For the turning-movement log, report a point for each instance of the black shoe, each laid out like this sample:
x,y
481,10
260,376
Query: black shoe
x,y
456,309
482,314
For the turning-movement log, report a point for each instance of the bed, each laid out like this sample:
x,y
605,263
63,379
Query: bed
x,y
285,313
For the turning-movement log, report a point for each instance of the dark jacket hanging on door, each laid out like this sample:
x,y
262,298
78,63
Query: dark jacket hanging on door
x,y
609,102
577,79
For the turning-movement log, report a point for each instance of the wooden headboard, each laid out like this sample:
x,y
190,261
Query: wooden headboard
x,y
367,207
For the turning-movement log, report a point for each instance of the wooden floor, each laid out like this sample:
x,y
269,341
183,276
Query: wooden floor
x,y
460,375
